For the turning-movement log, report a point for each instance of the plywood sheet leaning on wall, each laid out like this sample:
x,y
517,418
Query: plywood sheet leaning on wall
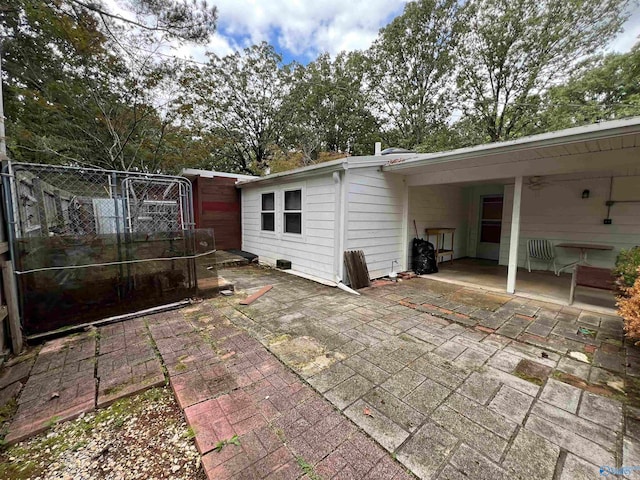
x,y
357,269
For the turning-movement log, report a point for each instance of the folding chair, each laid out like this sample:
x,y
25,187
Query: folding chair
x,y
541,249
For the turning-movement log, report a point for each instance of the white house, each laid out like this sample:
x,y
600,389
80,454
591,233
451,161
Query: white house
x,y
559,186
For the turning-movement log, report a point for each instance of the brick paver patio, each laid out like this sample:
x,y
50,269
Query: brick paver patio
x,y
456,382
453,383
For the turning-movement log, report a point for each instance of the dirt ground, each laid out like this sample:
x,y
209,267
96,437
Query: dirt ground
x,y
142,437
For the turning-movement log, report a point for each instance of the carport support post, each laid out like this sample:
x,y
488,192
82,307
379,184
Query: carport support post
x,y
515,236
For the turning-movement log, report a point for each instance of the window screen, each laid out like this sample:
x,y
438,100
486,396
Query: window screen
x,y
293,211
268,212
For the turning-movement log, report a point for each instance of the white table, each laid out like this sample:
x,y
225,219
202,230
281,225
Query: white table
x,y
584,249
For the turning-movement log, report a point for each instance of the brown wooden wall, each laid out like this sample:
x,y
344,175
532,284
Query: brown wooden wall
x,y
217,205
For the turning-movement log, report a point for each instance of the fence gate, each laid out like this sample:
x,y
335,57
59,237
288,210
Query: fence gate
x,y
89,243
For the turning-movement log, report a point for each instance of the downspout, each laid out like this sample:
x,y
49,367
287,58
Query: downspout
x,y
339,179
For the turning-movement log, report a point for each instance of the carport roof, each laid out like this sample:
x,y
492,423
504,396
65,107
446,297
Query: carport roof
x,y
603,136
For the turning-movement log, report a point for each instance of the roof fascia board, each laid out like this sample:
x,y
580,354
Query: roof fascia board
x,y
518,145
291,175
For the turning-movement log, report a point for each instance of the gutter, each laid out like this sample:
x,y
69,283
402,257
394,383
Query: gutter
x,y
340,181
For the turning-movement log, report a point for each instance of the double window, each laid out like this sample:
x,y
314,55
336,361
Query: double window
x,y
292,212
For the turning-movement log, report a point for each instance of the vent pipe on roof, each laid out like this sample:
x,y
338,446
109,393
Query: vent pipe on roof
x,y
378,150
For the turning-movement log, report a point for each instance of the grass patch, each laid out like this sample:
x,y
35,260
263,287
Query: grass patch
x,y
529,378
190,433
280,339
8,410
33,456
280,433
235,440
407,338
308,469
52,421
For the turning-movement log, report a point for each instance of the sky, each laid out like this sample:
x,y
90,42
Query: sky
x,y
301,29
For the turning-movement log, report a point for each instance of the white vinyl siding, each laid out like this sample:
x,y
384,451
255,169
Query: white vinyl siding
x,y
439,206
557,212
311,252
375,218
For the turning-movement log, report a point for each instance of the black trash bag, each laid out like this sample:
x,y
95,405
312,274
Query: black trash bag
x,y
424,257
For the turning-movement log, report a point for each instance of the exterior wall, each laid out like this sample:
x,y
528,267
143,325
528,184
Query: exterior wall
x,y
439,206
558,213
217,205
375,218
312,252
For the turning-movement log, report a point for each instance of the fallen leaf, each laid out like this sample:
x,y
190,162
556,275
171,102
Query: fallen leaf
x,y
54,395
367,412
545,355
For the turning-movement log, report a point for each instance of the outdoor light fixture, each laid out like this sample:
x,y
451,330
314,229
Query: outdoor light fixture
x,y
585,193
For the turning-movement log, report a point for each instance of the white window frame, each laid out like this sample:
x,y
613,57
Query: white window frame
x,y
273,212
285,211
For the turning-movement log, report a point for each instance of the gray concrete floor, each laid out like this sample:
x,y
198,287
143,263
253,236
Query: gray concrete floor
x,y
537,284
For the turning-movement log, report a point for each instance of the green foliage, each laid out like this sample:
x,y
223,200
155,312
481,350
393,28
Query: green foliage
x,y
239,97
412,65
223,443
80,90
516,49
329,108
83,86
626,269
604,88
307,469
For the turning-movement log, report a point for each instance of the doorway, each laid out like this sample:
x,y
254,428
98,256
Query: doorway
x,y
490,227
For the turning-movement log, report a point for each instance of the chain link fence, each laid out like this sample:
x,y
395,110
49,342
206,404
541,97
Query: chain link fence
x,y
90,243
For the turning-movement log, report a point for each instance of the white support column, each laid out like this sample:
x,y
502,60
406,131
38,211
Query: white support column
x,y
515,236
405,264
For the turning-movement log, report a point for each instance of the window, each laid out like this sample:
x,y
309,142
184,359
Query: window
x,y
268,211
491,219
293,211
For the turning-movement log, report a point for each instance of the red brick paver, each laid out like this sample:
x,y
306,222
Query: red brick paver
x,y
127,363
236,387
61,386
228,385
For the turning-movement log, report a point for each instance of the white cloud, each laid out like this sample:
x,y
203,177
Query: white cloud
x,y
218,44
629,37
306,28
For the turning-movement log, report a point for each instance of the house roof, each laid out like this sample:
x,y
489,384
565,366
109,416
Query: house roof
x,y
326,167
194,172
408,163
598,131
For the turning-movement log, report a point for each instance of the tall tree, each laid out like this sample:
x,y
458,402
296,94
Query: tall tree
x,y
330,111
241,98
176,19
82,85
517,49
413,66
608,90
